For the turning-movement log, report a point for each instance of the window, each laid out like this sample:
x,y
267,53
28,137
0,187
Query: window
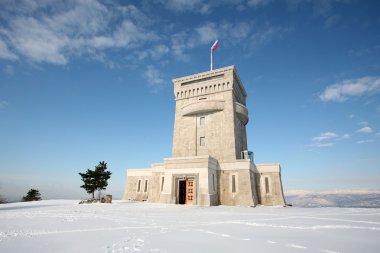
x,y
162,183
202,141
202,121
266,185
213,181
146,186
138,186
233,184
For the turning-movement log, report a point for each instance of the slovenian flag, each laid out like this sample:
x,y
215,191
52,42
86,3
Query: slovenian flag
x,y
215,46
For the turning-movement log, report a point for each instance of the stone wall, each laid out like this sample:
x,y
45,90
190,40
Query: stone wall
x,y
133,178
271,193
244,194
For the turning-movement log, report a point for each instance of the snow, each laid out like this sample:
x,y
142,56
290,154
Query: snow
x,y
338,198
65,226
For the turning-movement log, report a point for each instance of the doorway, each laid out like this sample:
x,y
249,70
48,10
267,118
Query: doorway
x,y
182,192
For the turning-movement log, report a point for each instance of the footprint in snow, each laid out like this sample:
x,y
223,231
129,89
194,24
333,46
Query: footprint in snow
x,y
139,243
296,246
119,246
214,233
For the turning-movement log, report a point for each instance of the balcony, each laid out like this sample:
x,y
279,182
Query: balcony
x,y
242,113
203,106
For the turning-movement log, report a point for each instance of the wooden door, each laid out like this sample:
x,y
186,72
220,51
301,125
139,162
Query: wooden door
x,y
190,191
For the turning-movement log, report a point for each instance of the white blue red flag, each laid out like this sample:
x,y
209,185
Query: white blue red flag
x,y
215,46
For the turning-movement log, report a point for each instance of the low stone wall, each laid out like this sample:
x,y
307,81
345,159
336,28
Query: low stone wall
x,y
132,191
243,191
271,195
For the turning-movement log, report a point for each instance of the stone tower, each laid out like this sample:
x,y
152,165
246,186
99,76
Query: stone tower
x,y
210,164
210,115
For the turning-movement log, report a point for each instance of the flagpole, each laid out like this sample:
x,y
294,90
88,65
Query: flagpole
x,y
213,48
211,58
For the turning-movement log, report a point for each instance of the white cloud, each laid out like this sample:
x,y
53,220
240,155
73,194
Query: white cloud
x,y
207,33
364,123
365,130
325,136
346,136
256,3
364,141
154,78
226,32
36,41
263,36
186,5
377,134
324,140
321,145
69,29
266,34
156,52
84,28
179,44
242,33
236,32
340,92
5,53
205,7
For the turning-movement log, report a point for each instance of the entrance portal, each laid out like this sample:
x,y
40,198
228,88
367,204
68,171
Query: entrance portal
x,y
182,192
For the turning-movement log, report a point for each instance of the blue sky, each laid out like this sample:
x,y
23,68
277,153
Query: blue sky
x,y
85,81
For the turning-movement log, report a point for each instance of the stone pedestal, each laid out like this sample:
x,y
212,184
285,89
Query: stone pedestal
x,y
108,198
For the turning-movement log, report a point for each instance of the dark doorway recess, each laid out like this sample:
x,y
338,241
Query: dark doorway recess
x,y
182,192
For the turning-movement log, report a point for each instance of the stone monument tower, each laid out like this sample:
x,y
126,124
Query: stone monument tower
x,y
210,164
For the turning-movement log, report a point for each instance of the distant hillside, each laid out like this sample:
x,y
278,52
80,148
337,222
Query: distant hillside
x,y
341,198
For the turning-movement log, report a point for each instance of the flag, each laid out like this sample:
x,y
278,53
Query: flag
x,y
215,46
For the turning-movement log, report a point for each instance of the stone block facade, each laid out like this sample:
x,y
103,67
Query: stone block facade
x,y
210,163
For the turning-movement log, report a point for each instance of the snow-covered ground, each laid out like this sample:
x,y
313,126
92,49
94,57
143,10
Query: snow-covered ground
x,y
65,226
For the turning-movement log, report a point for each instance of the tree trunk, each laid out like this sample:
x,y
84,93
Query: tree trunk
x,y
93,195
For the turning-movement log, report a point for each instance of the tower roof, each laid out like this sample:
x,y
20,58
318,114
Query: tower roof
x,y
203,76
